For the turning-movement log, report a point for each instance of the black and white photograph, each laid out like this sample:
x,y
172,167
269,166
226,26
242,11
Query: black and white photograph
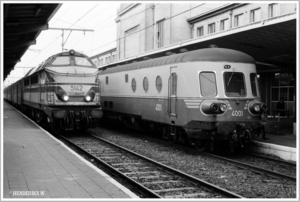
x,y
148,100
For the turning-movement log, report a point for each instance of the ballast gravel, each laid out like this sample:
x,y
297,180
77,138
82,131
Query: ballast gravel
x,y
217,172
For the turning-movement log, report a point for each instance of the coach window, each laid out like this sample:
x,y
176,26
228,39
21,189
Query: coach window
x,y
126,78
158,83
34,79
234,83
133,84
208,84
106,80
145,84
26,82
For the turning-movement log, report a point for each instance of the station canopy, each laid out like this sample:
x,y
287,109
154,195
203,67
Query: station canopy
x,y
22,24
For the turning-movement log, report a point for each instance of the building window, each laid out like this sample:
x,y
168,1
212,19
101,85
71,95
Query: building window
x,y
273,10
133,84
238,20
255,15
160,33
211,28
106,80
224,24
200,31
208,84
158,83
283,85
145,84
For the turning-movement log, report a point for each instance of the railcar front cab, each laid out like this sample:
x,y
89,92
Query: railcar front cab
x,y
234,112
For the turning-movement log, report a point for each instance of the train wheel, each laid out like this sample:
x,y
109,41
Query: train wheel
x,y
201,145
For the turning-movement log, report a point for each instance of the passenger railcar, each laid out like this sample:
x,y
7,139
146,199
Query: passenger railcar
x,y
61,92
198,97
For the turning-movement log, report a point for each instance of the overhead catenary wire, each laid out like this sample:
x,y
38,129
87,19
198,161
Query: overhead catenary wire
x,y
60,35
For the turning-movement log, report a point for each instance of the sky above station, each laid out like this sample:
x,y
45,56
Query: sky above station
x,y
98,16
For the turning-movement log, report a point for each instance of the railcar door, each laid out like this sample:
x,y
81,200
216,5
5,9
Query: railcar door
x,y
172,96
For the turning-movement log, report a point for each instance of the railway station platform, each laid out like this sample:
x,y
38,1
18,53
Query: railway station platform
x,y
36,165
281,143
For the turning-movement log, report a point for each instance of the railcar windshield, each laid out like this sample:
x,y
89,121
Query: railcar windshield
x,y
67,61
254,85
234,83
208,84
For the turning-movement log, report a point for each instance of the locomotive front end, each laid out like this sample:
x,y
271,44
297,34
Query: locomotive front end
x,y
72,93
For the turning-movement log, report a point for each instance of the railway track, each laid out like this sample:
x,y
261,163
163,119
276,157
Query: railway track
x,y
154,178
271,167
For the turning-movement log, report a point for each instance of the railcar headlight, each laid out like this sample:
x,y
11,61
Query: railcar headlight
x,y
256,107
264,107
72,52
223,107
214,107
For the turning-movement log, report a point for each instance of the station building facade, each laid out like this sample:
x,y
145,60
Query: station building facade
x,y
146,28
104,58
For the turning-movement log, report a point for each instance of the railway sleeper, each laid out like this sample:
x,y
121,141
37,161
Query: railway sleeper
x,y
174,189
194,195
163,182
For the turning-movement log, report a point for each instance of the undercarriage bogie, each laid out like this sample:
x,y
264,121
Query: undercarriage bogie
x,y
64,119
74,119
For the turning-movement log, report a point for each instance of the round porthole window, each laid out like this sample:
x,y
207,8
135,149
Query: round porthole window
x,y
133,84
145,84
158,83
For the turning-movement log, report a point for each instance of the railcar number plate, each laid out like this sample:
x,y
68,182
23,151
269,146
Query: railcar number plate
x,y
237,113
76,88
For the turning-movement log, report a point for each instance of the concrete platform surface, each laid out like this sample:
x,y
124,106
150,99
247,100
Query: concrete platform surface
x,y
280,144
36,165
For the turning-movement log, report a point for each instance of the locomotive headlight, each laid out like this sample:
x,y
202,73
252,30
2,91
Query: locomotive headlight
x,y
65,98
223,107
89,97
256,107
214,107
62,95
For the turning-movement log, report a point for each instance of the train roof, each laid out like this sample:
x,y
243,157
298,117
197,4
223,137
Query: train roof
x,y
207,54
45,62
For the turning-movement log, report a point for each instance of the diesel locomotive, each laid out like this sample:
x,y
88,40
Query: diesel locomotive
x,y
200,97
62,92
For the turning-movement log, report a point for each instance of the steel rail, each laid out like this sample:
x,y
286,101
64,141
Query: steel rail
x,y
289,163
193,179
254,168
140,186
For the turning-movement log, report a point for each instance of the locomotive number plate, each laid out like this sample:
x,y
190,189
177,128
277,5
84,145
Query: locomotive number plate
x,y
76,88
237,113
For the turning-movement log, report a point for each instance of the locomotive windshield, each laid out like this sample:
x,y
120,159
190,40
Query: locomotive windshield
x,y
234,84
73,60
